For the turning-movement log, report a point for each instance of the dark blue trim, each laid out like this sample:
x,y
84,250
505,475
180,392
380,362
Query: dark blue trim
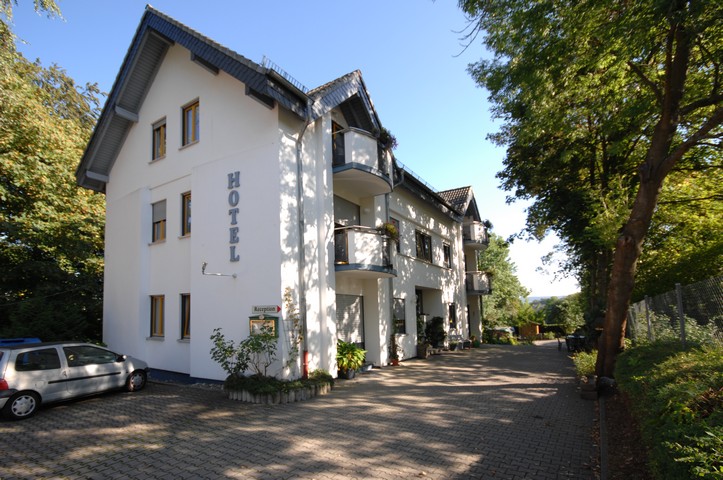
x,y
361,267
364,168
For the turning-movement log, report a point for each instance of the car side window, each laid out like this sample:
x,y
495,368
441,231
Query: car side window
x,y
84,355
44,359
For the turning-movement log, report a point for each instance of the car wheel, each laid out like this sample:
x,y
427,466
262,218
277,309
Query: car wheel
x,y
22,405
136,381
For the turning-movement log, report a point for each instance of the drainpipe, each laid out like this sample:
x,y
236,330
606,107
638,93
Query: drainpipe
x,y
386,206
302,251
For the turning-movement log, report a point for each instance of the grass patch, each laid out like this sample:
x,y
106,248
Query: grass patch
x,y
678,396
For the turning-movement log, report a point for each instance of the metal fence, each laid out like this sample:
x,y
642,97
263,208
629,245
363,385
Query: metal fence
x,y
690,313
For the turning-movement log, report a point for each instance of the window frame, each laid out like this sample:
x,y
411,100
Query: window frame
x,y
424,246
186,214
447,255
399,309
185,316
192,135
157,323
159,139
158,224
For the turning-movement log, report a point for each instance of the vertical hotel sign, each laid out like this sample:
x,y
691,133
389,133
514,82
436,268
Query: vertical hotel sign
x,y
234,183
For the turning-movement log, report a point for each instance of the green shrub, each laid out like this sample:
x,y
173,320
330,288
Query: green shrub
x,y
258,384
678,396
585,363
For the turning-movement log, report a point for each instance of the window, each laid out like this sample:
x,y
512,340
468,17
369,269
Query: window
x,y
395,222
44,359
452,315
400,318
190,123
157,302
159,139
186,214
185,315
337,144
424,246
81,355
447,255
159,221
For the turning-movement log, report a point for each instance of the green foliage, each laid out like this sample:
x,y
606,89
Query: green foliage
x,y
233,359
668,330
51,230
434,332
566,312
260,385
261,348
257,351
504,304
678,395
685,240
349,356
584,363
590,111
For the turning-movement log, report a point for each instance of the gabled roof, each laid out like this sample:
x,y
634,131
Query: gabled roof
x,y
462,199
155,34
419,188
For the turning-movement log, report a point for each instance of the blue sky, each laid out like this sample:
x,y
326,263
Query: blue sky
x,y
409,53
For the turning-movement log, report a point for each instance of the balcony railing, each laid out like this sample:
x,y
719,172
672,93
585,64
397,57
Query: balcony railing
x,y
364,252
478,283
474,234
359,165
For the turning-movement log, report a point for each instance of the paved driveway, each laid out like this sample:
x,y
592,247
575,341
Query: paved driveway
x,y
497,412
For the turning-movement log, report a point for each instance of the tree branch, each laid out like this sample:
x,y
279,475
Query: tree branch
x,y
637,70
715,120
703,102
691,200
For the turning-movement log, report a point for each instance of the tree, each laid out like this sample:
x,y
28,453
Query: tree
x,y
51,231
504,304
630,89
567,312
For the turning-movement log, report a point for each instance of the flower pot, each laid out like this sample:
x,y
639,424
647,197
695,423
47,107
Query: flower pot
x,y
348,374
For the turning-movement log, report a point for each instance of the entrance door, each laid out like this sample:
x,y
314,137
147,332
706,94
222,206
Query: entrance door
x,y
350,319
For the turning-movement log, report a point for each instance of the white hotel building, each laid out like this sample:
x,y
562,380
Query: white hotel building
x,y
287,188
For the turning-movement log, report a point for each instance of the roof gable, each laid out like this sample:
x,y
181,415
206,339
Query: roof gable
x,y
155,34
462,200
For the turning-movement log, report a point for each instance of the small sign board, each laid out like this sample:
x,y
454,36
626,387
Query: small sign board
x,y
265,309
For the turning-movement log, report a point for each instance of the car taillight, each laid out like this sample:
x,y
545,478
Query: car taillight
x,y
4,384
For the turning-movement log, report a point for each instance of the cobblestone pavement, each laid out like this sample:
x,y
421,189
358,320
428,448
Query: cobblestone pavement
x,y
498,412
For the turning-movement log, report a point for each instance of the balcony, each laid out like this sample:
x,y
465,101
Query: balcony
x,y
474,235
359,166
478,283
363,252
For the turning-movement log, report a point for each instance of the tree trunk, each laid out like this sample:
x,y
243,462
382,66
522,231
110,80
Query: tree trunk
x,y
659,160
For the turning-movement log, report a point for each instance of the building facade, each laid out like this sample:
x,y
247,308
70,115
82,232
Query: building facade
x,y
229,185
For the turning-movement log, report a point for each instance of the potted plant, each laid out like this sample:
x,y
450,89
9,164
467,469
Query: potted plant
x,y
435,333
422,343
393,350
349,358
390,230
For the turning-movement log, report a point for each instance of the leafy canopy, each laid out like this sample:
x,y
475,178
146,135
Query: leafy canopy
x,y
51,230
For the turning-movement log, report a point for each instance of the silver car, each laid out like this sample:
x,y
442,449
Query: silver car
x,y
31,374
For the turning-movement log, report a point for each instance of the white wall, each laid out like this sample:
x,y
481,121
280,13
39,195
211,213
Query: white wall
x,y
441,285
237,133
